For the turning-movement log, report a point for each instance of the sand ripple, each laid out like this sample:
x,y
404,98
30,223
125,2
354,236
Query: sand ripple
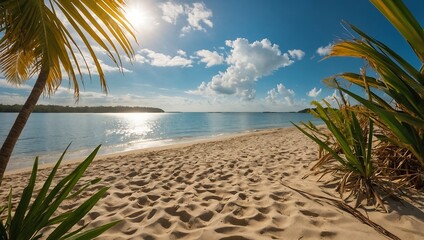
x,y
227,189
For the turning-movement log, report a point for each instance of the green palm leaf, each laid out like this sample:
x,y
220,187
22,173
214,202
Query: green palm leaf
x,y
403,20
29,219
34,36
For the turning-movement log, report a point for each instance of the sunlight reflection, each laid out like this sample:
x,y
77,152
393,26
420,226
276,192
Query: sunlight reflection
x,y
134,126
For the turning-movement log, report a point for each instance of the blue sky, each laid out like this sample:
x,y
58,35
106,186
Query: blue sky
x,y
231,55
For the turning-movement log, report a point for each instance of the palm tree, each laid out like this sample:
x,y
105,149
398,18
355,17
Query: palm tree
x,y
36,40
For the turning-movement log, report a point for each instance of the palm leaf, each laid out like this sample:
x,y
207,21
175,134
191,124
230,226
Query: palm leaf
x,y
34,36
17,221
76,215
403,20
27,221
92,233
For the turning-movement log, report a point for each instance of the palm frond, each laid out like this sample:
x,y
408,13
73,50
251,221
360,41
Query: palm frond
x,y
403,20
35,35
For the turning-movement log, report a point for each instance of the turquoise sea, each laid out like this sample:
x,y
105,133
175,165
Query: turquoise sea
x,y
47,134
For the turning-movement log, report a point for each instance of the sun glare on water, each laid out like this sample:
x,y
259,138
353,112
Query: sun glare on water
x,y
140,17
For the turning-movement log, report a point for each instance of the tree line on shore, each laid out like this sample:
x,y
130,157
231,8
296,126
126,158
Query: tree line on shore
x,y
84,109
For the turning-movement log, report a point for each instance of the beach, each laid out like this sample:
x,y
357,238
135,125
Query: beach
x,y
232,187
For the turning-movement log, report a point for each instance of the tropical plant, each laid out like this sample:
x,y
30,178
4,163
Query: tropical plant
x,y
36,40
29,220
398,156
402,116
348,142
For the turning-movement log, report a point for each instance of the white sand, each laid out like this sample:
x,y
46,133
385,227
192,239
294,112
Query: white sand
x,y
229,188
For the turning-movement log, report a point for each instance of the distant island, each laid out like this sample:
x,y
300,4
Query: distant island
x,y
85,109
306,110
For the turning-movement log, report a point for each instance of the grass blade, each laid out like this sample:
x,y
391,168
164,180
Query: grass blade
x,y
76,215
95,232
17,221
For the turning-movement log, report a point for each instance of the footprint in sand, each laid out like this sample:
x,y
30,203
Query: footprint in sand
x,y
153,197
235,221
327,234
151,213
206,216
165,223
183,215
122,194
264,210
139,183
93,215
235,237
179,234
271,229
212,197
136,217
309,213
227,230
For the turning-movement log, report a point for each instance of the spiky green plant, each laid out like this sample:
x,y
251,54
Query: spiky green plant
x,y
30,219
349,142
402,116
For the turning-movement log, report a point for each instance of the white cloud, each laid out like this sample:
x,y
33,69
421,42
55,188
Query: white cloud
x,y
181,53
146,56
332,97
335,99
65,96
324,51
108,68
248,62
314,92
171,11
272,96
12,98
88,66
281,94
210,58
5,84
297,53
197,15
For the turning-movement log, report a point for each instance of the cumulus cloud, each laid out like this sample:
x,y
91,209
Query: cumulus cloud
x,y
281,94
197,15
181,52
147,56
210,58
324,51
248,62
297,53
314,92
171,11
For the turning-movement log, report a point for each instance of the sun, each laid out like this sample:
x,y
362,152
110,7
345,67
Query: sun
x,y
140,17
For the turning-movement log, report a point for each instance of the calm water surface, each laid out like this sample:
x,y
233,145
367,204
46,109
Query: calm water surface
x,y
47,134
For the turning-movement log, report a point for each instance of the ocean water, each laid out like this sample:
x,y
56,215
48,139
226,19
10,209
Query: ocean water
x,y
47,134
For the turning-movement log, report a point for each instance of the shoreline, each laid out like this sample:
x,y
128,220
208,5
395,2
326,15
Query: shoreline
x,y
231,187
175,144
122,132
